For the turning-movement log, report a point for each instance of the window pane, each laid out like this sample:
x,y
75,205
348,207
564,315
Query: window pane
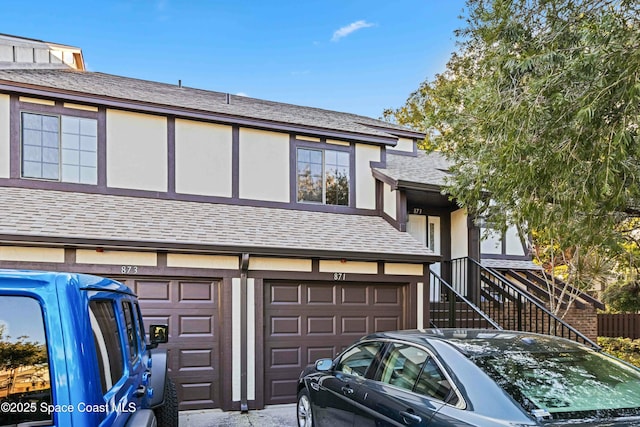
x,y
330,157
88,175
24,368
89,127
31,121
402,366
70,125
32,169
70,157
88,158
50,139
31,153
315,156
343,159
32,137
88,143
50,171
71,141
433,383
70,173
50,124
106,337
357,360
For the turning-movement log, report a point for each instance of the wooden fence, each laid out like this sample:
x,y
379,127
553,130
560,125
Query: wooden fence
x,y
619,325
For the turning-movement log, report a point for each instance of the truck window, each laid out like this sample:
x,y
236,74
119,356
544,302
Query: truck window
x,y
106,336
25,381
132,336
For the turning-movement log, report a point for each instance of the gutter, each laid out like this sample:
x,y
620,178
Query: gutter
x,y
244,268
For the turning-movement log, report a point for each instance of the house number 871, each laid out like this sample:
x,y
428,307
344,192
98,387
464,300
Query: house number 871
x,y
339,276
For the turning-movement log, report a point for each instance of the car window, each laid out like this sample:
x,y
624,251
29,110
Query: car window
x,y
433,383
25,380
357,360
132,336
402,365
106,336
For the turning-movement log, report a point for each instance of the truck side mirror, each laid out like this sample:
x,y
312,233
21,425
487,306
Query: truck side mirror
x,y
158,334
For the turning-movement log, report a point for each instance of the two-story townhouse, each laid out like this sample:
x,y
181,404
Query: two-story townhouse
x,y
266,235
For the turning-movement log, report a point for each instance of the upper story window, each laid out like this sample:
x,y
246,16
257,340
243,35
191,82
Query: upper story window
x,y
323,176
59,148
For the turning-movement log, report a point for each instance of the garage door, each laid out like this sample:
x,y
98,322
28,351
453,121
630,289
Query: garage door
x,y
190,308
308,321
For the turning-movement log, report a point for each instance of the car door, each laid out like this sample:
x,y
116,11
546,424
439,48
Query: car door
x,y
408,389
334,399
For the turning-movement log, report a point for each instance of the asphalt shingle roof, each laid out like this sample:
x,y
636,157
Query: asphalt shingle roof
x,y
34,213
135,90
425,168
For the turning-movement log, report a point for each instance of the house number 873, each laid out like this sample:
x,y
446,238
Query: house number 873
x,y
339,276
129,269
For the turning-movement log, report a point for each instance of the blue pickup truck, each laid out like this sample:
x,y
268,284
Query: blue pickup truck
x,y
73,353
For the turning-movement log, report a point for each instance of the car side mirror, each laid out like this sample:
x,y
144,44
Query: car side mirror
x,y
324,365
158,334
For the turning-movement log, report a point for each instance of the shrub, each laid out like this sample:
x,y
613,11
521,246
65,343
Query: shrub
x,y
622,348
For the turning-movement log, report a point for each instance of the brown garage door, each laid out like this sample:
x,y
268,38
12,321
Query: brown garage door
x,y
190,308
308,321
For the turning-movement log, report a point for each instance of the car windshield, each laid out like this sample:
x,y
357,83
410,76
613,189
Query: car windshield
x,y
580,383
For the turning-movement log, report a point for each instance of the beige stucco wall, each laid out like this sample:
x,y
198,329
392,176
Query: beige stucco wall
x,y
87,256
356,267
224,262
31,254
203,158
390,203
459,234
403,269
264,165
136,151
404,144
366,184
4,136
279,264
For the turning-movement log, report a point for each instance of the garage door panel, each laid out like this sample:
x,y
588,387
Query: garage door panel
x,y
285,294
190,308
356,295
386,295
299,331
320,294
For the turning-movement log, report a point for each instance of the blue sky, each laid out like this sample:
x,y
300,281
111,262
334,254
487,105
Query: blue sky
x,y
354,56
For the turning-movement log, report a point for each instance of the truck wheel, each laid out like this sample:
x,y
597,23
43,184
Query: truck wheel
x,y
167,414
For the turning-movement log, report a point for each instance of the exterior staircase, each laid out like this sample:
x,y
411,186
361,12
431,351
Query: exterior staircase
x,y
478,297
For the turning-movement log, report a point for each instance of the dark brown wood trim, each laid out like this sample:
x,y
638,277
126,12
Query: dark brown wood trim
x,y
15,152
102,150
269,275
259,355
188,113
506,257
226,344
171,156
235,162
411,318
385,179
426,296
401,210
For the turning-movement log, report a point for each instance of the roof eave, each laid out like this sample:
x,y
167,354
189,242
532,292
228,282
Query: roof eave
x,y
148,107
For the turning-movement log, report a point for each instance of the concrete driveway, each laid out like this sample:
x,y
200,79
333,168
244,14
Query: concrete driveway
x,y
271,416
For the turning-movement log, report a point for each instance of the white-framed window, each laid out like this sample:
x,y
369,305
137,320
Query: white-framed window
x,y
59,148
323,176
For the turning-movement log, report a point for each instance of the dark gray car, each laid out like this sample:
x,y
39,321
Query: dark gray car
x,y
468,378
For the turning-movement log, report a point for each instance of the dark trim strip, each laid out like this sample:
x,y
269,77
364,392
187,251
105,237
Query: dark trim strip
x,y
149,107
405,133
171,156
235,162
244,267
102,150
14,136
506,257
219,249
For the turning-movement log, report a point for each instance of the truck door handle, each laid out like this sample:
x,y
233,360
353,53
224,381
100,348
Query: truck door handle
x,y
347,390
410,418
141,391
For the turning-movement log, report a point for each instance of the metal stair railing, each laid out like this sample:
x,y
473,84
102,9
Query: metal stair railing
x,y
507,304
453,310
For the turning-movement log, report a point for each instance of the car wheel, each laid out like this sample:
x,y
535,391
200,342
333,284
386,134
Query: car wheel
x,y
305,413
167,414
